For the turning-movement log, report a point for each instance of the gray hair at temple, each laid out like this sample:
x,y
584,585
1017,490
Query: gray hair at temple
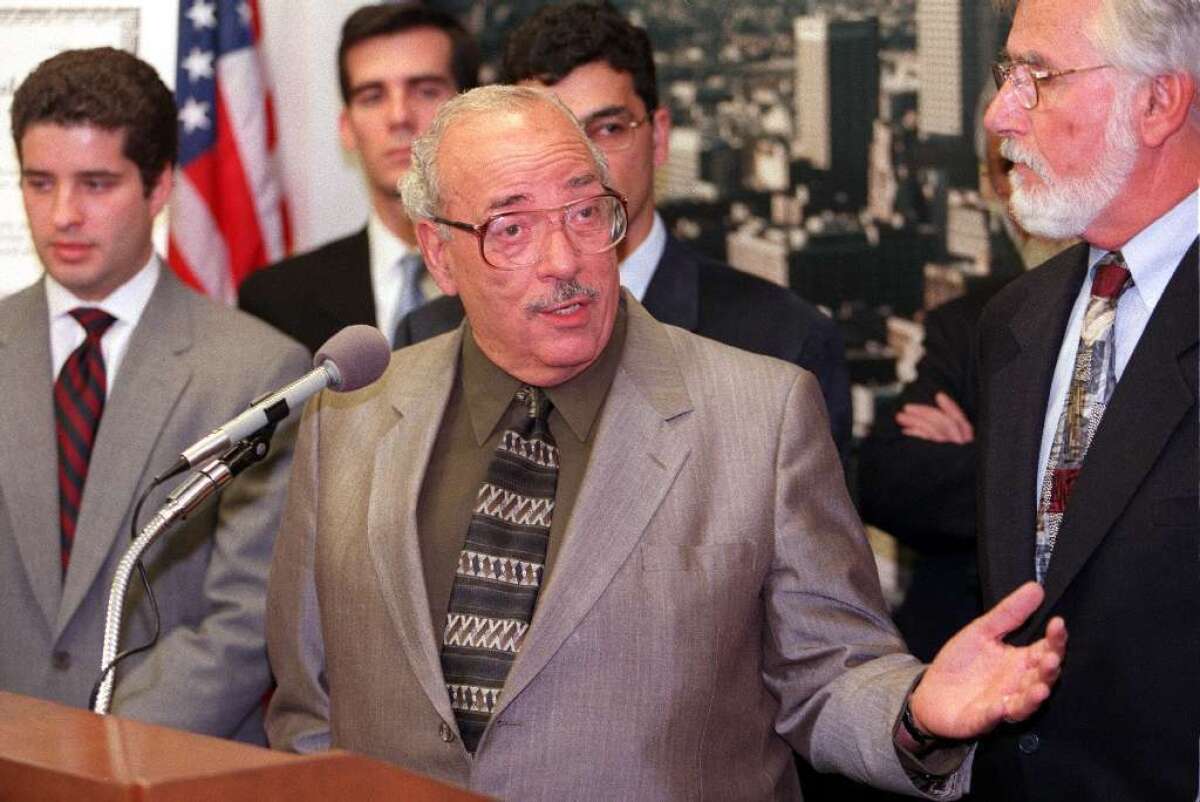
x,y
419,187
1148,38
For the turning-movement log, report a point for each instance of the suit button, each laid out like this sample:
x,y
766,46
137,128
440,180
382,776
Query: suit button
x,y
446,733
1029,743
61,660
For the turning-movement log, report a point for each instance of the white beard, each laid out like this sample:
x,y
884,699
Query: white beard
x,y
1064,207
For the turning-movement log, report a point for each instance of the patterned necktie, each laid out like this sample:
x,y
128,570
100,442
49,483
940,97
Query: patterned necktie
x,y
411,295
500,568
1092,383
78,401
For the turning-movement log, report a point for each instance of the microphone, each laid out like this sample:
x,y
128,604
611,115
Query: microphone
x,y
350,359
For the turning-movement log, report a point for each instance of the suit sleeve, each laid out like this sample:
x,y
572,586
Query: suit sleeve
x,y
211,676
830,653
298,716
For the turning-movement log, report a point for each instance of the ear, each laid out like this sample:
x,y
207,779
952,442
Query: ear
x,y
345,131
662,135
160,193
436,252
1164,106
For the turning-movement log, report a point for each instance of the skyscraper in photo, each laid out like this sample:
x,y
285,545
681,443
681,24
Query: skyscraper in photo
x,y
837,98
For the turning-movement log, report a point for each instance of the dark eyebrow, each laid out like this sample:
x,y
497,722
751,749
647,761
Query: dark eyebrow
x,y
607,111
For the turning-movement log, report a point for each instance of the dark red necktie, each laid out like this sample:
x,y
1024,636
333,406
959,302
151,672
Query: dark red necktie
x,y
78,401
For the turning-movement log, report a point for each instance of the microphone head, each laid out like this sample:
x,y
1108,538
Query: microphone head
x,y
359,354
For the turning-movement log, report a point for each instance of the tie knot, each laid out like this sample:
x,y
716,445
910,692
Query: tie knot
x,y
94,321
1112,276
537,403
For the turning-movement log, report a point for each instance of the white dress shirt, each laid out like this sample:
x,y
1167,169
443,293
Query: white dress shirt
x,y
387,277
638,268
1151,256
126,303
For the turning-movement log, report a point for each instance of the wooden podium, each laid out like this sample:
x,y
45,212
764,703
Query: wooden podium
x,y
51,752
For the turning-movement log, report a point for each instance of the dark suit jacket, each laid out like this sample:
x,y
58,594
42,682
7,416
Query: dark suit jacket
x,y
923,492
1123,721
723,304
314,295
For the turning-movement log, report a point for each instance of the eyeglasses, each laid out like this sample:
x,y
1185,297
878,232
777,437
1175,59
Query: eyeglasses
x,y
1025,78
513,240
614,132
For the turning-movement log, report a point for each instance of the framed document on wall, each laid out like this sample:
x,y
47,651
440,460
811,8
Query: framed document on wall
x,y
31,32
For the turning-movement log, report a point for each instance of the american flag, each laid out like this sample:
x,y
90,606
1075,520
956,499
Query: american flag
x,y
228,215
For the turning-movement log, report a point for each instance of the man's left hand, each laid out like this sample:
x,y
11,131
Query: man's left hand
x,y
977,680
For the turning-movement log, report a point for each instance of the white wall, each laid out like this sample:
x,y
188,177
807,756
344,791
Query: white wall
x,y
325,191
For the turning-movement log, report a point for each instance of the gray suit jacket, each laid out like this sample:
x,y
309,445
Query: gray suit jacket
x,y
190,366
713,601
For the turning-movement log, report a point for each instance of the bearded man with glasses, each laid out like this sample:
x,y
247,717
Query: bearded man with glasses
x,y
1088,420
602,67
567,551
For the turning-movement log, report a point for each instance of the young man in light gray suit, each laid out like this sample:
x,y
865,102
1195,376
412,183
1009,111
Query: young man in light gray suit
x,y
95,135
704,596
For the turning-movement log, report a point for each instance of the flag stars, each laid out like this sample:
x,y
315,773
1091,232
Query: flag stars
x,y
203,14
243,11
198,64
193,115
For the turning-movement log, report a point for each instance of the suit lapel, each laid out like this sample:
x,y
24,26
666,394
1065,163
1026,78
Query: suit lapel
x,y
673,295
1034,334
152,376
397,474
28,459
349,297
1129,440
637,454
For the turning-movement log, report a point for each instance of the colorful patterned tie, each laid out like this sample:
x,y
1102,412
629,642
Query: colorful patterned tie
x,y
79,396
1092,383
500,569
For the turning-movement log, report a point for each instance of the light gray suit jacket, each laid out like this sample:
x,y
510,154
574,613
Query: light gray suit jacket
x,y
190,366
714,599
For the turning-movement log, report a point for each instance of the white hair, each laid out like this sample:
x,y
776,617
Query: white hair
x,y
1147,38
420,188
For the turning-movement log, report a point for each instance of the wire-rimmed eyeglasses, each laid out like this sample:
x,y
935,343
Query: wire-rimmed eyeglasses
x,y
513,240
613,133
1025,78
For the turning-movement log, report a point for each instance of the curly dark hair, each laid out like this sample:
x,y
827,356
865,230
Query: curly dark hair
x,y
559,38
105,88
384,19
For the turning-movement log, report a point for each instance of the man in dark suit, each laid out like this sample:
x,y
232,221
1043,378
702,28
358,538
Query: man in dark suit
x,y
1088,381
602,67
396,66
144,367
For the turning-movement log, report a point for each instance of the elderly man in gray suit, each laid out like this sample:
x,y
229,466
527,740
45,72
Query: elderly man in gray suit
x,y
110,368
567,551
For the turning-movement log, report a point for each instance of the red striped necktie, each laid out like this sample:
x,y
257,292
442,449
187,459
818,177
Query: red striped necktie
x,y
79,396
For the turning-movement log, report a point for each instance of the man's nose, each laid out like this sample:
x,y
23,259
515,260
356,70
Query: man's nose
x,y
65,211
1005,116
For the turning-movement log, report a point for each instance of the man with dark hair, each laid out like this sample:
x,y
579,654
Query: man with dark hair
x,y
602,67
397,64
110,368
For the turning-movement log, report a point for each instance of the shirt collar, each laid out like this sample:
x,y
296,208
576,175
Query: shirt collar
x,y
638,268
386,249
1154,252
489,391
126,303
